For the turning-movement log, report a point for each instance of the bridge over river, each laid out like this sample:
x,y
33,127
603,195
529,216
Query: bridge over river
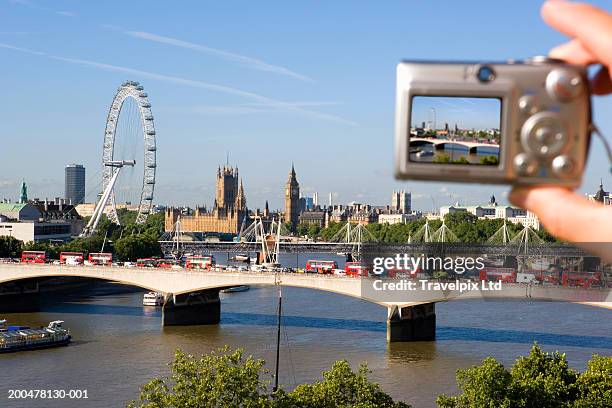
x,y
472,147
192,296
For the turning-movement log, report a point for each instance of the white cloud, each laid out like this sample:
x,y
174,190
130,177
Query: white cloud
x,y
230,56
225,110
67,13
190,83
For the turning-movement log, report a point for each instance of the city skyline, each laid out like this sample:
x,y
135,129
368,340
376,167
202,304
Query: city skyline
x,y
226,80
466,113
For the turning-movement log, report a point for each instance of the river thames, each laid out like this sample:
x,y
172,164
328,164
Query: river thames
x,y
118,344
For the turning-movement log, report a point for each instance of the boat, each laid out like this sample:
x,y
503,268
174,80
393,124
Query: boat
x,y
240,258
425,153
234,289
153,299
18,338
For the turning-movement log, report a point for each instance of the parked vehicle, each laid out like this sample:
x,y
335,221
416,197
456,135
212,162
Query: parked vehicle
x,y
100,258
200,262
34,257
355,269
72,258
323,267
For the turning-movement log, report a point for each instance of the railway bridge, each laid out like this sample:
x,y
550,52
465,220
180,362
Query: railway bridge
x,y
192,296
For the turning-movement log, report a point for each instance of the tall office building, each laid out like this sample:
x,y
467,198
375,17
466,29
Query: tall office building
x,y
315,199
75,184
401,202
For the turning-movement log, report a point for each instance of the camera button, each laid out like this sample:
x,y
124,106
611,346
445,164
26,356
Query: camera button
x,y
544,134
563,166
524,165
528,104
564,85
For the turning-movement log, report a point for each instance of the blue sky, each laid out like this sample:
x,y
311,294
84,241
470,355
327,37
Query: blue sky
x,y
466,113
271,83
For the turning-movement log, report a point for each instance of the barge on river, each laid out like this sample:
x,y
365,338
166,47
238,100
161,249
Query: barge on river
x,y
18,338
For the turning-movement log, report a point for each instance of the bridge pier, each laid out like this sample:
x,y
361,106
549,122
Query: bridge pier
x,y
195,308
412,323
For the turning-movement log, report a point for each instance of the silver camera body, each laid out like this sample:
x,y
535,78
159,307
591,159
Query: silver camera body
x,y
543,122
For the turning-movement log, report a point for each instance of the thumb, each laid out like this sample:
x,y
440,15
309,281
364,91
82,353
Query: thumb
x,y
566,214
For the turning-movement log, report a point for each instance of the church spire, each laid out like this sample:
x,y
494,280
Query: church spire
x,y
240,198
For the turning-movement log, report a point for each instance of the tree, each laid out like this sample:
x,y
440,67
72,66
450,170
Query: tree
x,y
442,158
341,387
302,229
225,378
461,160
313,230
220,379
538,380
133,247
10,247
489,160
594,386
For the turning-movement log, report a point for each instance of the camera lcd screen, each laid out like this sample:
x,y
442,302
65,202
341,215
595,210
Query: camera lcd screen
x,y
455,130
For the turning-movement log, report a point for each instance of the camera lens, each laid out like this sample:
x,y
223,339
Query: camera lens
x,y
485,74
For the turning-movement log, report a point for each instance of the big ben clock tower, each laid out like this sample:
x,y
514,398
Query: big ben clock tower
x,y
292,200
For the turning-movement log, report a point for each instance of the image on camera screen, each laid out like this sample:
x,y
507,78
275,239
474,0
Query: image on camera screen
x,y
455,130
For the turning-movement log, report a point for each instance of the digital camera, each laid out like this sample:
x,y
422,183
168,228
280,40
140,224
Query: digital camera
x,y
521,123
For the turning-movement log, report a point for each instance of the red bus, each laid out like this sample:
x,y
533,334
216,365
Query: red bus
x,y
167,263
72,258
101,258
582,279
200,262
355,269
314,266
506,275
146,263
38,257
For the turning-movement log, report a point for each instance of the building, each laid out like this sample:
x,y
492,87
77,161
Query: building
x,y
364,216
292,200
306,204
58,211
227,215
74,184
398,218
601,196
313,217
19,211
492,210
401,202
315,199
24,222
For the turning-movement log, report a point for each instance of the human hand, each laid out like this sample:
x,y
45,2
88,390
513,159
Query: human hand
x,y
565,214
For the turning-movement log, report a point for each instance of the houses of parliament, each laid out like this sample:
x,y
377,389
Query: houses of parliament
x,y
230,211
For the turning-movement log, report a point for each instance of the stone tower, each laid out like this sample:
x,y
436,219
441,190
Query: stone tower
x,y
227,187
292,200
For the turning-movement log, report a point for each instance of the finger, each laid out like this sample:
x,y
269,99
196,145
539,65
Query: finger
x,y
589,24
601,84
574,53
565,214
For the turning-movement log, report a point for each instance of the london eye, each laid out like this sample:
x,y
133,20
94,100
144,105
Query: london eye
x,y
129,140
